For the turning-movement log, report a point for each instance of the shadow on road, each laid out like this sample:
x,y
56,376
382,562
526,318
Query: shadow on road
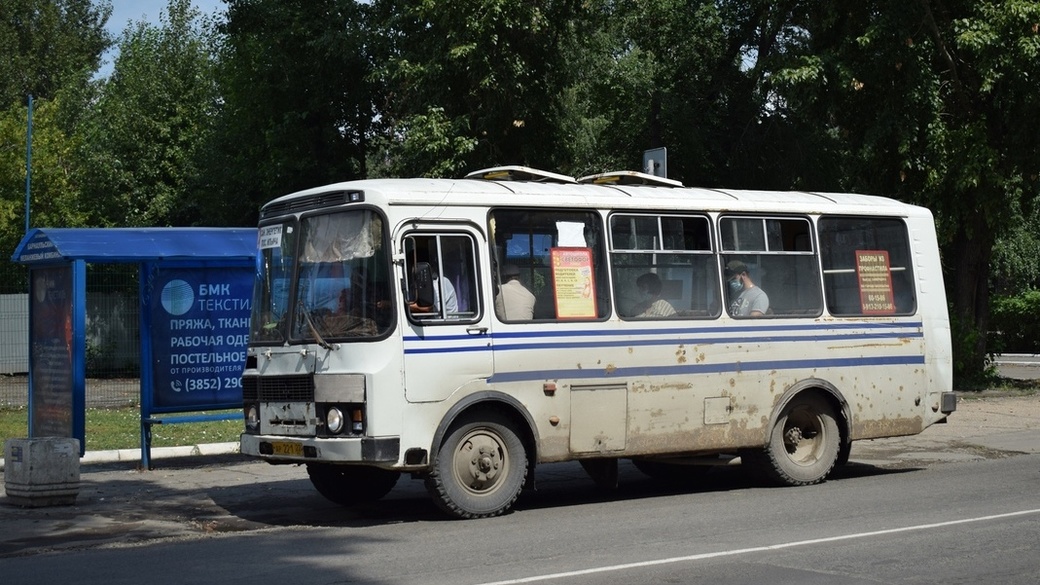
x,y
296,503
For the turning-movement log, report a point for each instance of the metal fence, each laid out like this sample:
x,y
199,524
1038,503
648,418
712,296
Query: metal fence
x,y
14,333
112,335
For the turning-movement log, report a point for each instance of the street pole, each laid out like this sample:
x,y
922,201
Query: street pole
x,y
28,163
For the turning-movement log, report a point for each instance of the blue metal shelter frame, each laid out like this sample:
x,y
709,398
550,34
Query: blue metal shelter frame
x,y
57,258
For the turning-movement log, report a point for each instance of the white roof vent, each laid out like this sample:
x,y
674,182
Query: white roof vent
x,y
519,173
629,178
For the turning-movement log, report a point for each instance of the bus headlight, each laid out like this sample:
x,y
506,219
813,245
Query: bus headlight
x,y
252,418
334,420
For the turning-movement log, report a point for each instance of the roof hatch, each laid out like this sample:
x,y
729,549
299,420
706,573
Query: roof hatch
x,y
629,178
519,173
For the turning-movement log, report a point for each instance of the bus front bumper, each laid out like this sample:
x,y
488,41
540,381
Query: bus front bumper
x,y
385,450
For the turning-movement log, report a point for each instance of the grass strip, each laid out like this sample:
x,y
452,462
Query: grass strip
x,y
120,428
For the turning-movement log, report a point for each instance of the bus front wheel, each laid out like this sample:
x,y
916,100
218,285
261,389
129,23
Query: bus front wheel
x,y
803,444
348,485
480,468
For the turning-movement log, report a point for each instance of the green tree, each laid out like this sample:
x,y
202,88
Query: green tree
x,y
47,45
155,113
49,49
472,83
57,199
1016,255
932,102
297,106
669,73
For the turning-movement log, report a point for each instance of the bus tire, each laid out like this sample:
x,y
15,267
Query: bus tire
x,y
348,485
803,444
480,468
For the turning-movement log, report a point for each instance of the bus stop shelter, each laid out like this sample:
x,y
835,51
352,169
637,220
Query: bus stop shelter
x,y
195,292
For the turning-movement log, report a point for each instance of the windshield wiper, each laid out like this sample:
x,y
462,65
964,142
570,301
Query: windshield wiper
x,y
314,330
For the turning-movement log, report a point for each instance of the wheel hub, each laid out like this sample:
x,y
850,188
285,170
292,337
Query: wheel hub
x,y
482,462
793,436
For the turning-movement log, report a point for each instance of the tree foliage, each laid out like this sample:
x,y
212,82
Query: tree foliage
x,y
931,102
48,49
297,101
46,45
146,133
481,77
928,101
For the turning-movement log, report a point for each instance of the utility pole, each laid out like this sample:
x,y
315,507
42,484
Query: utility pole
x,y
28,163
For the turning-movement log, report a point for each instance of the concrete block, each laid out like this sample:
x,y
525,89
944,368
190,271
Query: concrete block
x,y
42,471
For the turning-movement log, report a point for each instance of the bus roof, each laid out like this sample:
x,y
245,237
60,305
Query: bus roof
x,y
493,193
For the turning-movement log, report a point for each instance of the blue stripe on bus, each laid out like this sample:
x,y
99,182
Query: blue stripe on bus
x,y
649,342
697,341
690,369
665,337
699,330
544,333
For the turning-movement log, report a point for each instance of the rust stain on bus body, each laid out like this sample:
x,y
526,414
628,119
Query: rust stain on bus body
x,y
556,447
864,345
886,427
710,439
676,386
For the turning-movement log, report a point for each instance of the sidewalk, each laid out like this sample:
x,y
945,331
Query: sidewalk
x,y
209,489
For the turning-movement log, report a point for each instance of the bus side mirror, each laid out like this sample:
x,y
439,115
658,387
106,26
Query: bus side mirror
x,y
420,289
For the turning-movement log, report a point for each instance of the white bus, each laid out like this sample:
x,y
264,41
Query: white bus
x,y
463,331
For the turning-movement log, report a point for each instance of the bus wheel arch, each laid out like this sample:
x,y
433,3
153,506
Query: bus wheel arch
x,y
481,457
807,437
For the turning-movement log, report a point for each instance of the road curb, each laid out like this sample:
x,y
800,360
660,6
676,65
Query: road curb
x,y
119,455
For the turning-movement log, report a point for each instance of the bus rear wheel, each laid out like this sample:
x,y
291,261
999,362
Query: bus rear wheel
x,y
348,485
803,444
480,468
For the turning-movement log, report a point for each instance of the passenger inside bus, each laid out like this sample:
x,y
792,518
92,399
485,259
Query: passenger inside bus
x,y
651,303
513,301
748,300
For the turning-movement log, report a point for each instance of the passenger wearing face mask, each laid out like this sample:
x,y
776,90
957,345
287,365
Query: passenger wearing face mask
x,y
651,304
748,300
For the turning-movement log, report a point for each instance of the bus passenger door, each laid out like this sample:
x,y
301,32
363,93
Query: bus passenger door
x,y
447,342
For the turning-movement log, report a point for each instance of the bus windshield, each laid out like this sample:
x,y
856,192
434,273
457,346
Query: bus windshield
x,y
326,279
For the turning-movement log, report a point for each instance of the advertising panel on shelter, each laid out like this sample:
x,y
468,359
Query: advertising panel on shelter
x,y
200,325
51,351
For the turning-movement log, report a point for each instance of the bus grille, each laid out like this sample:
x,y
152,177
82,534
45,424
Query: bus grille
x,y
278,388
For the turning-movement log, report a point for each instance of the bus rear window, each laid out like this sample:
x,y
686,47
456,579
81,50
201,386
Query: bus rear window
x,y
867,269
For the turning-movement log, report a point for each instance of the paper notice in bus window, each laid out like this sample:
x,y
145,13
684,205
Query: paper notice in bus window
x,y
572,280
875,282
270,237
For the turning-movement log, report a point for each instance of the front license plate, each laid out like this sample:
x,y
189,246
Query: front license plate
x,y
282,448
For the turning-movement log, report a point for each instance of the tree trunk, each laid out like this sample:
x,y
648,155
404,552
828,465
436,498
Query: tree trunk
x,y
968,290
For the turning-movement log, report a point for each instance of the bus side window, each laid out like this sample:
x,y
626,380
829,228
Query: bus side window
x,y
867,269
441,277
778,252
663,266
553,250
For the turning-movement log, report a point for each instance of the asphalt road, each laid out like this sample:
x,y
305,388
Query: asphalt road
x,y
1020,366
976,521
956,504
